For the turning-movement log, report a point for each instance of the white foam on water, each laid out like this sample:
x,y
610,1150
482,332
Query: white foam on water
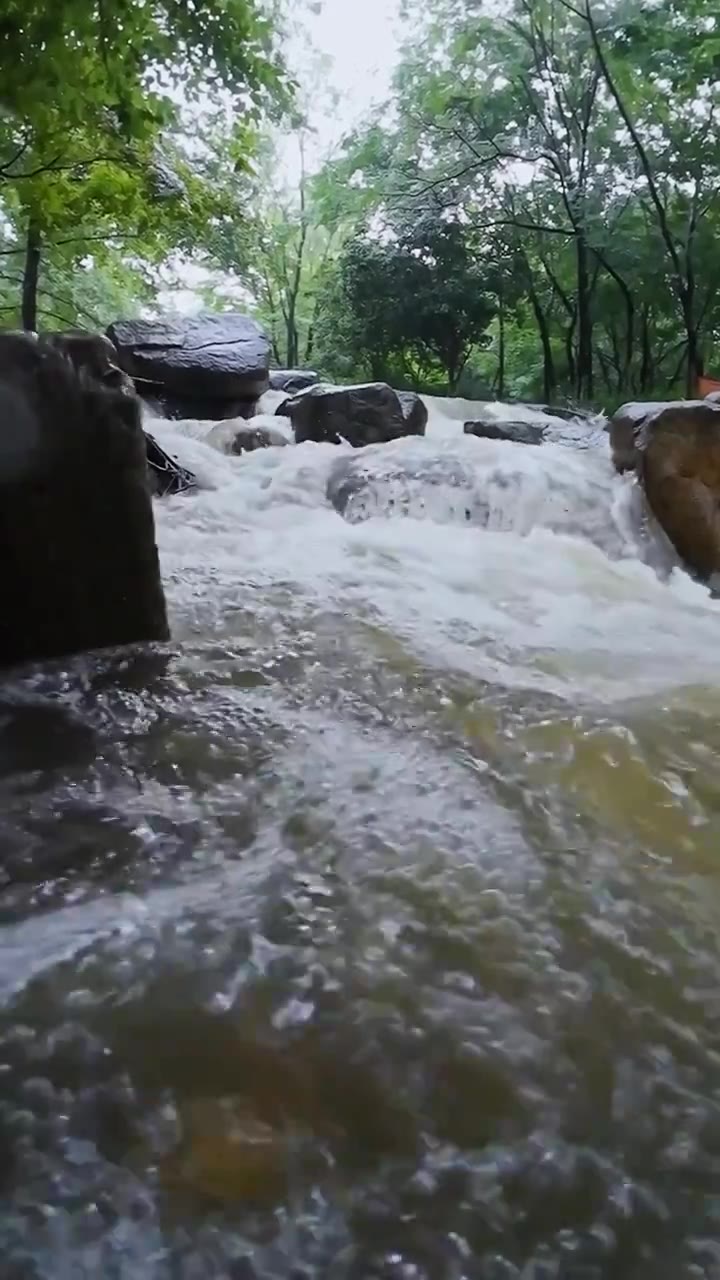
x,y
553,581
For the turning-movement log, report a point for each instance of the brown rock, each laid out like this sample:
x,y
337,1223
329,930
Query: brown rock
x,y
678,462
227,1153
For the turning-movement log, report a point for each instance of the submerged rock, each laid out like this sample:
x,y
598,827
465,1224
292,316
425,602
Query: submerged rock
x,y
382,483
209,356
245,437
497,429
79,567
678,461
227,1153
370,413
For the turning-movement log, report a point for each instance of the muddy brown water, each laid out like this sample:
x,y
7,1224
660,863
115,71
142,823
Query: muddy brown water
x,y
369,931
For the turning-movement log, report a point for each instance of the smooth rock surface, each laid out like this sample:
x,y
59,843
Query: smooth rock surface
x,y
219,357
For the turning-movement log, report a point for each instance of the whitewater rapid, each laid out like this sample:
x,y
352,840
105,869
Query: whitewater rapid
x,y
543,570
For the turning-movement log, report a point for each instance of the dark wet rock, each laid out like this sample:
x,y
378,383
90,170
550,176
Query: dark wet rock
x,y
237,437
566,413
94,355
624,427
414,412
678,461
204,357
79,566
497,429
165,474
166,404
292,380
370,413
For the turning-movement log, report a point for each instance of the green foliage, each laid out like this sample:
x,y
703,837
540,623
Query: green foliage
x,y
577,142
412,305
96,141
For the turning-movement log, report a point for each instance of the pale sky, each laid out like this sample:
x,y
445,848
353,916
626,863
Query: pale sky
x,y
343,57
359,41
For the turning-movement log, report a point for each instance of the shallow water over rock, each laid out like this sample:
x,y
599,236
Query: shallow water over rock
x,y
370,930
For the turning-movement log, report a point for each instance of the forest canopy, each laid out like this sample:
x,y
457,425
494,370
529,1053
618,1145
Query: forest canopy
x,y
534,213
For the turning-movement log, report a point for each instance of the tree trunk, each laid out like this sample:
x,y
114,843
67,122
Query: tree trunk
x,y
694,366
501,345
584,370
549,378
646,366
31,276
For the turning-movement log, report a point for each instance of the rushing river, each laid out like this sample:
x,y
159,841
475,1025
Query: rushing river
x,y
371,932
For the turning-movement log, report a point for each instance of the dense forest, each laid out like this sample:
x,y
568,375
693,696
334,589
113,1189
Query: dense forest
x,y
536,212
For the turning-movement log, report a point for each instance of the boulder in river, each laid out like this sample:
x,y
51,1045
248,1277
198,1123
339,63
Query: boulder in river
x,y
624,426
292,380
414,412
379,482
245,437
208,357
498,429
79,566
678,461
370,413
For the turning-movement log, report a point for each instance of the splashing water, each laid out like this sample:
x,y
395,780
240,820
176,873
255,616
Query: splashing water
x,y
371,932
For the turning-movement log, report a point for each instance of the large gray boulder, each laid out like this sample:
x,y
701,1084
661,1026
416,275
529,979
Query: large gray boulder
x,y
78,563
205,357
370,413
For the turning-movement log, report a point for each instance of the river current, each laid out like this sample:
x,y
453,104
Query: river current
x,y
369,931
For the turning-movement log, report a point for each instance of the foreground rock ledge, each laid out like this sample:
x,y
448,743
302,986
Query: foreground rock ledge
x,y
675,451
78,562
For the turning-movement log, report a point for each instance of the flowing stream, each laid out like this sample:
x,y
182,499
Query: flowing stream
x,y
370,932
